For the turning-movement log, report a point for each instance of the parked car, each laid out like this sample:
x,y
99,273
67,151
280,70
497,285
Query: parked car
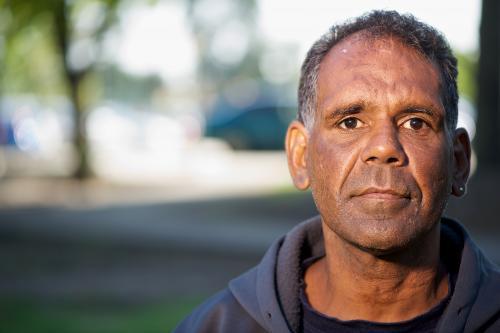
x,y
260,127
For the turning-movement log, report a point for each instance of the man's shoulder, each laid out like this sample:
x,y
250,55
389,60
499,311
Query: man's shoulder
x,y
475,305
220,313
265,298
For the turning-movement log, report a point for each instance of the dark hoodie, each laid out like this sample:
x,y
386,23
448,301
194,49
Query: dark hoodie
x,y
266,298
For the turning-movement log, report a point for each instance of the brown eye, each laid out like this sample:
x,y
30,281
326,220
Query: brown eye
x,y
414,124
350,123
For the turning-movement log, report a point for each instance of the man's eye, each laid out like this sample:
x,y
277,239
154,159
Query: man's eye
x,y
350,123
414,124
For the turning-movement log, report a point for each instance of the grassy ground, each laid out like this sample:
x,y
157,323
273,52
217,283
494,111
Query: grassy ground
x,y
24,316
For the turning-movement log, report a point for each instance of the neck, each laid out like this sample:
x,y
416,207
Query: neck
x,y
350,283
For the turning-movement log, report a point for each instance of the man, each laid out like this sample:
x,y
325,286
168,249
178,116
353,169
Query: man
x,y
376,141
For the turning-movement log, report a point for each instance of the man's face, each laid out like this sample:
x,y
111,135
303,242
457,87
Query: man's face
x,y
379,158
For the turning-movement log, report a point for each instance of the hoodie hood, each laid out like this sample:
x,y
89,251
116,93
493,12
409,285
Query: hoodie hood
x,y
269,293
475,304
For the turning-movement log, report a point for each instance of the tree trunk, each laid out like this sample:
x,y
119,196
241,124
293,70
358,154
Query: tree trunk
x,y
487,143
74,79
80,138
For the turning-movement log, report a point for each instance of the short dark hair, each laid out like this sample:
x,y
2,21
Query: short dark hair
x,y
379,24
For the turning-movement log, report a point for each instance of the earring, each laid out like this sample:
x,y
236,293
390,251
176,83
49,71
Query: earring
x,y
461,188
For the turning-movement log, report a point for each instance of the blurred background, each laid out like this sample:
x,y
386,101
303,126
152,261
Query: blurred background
x,y
141,148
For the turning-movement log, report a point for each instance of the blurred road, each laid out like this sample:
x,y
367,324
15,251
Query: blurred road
x,y
141,251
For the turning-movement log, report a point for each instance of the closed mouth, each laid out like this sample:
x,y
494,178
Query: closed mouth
x,y
383,194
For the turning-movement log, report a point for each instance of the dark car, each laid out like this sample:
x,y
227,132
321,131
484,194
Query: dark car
x,y
255,128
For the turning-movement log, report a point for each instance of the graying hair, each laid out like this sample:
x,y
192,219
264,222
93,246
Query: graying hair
x,y
379,24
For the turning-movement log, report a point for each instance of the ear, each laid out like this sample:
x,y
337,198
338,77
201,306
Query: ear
x,y
461,161
296,148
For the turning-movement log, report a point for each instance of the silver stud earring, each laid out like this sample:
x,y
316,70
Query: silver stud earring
x,y
461,188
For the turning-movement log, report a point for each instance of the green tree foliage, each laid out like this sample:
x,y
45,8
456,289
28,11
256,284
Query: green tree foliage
x,y
467,72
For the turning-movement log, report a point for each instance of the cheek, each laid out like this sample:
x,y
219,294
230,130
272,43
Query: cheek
x,y
330,164
431,167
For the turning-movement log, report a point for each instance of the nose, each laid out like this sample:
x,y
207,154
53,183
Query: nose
x,y
383,147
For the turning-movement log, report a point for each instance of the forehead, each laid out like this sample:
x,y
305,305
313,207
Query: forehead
x,y
363,66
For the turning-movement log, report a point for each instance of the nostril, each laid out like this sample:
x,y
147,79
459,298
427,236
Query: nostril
x,y
392,160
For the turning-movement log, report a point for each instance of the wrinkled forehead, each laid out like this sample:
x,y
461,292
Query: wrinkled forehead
x,y
364,46
384,58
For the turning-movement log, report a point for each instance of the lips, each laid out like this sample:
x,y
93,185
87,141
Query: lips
x,y
377,201
382,194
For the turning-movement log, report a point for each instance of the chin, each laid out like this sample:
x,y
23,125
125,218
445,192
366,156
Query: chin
x,y
384,247
384,237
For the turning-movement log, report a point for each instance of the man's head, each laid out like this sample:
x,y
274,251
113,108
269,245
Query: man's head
x,y
379,25
379,146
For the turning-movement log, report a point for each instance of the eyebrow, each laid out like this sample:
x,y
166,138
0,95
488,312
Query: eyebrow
x,y
345,111
419,109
